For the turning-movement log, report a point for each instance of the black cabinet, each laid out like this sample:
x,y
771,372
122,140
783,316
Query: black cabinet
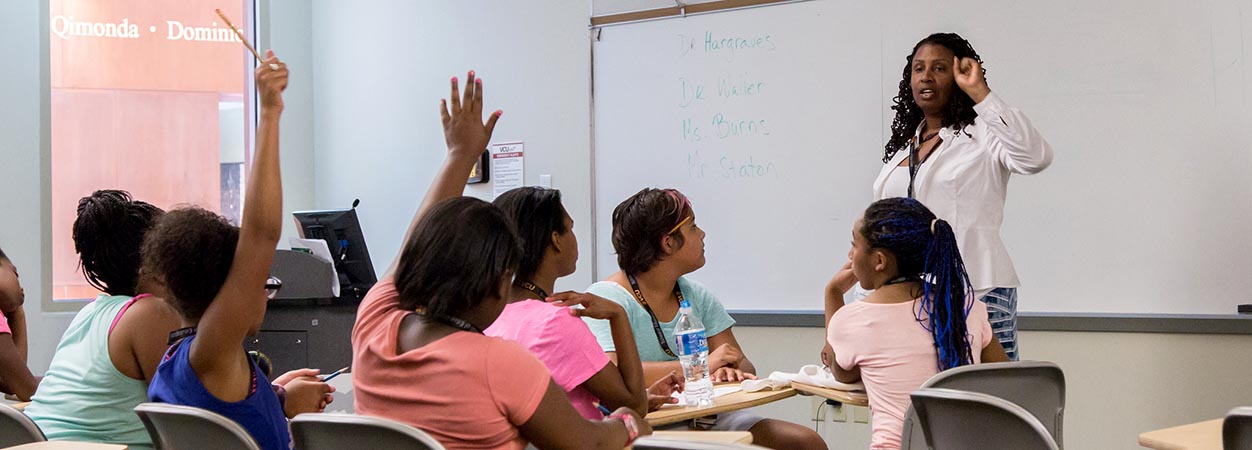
x,y
314,336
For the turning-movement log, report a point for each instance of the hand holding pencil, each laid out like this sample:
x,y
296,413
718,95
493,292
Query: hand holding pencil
x,y
271,82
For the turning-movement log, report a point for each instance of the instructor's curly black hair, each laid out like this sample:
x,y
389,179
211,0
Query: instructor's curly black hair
x,y
960,112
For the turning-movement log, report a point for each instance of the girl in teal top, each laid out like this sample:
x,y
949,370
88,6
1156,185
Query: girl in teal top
x,y
110,351
658,243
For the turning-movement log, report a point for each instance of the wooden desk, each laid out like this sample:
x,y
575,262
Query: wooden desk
x,y
720,437
845,397
1197,436
730,402
67,445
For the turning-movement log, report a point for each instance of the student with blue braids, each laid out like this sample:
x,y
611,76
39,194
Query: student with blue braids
x,y
920,319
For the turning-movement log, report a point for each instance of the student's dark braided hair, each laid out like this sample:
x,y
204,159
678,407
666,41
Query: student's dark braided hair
x,y
108,235
925,249
960,111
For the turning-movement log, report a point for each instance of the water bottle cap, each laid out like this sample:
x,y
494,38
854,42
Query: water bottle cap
x,y
685,304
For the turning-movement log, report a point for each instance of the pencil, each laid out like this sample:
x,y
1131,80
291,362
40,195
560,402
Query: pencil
x,y
335,374
242,38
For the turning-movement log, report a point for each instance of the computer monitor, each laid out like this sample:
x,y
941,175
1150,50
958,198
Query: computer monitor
x,y
342,232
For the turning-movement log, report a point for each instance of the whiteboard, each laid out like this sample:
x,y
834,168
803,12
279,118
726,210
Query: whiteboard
x,y
772,120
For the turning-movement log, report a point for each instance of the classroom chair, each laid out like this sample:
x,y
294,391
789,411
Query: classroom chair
x,y
17,429
1237,429
655,443
319,431
961,420
1037,386
177,427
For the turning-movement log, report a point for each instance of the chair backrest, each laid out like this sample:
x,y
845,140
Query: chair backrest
x,y
1237,429
344,432
656,443
1037,386
959,420
178,427
17,429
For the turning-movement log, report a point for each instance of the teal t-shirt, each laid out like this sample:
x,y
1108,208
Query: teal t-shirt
x,y
703,303
83,397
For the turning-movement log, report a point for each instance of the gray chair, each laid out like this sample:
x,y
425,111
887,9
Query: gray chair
x,y
961,420
1237,429
177,427
17,429
1037,386
656,443
316,431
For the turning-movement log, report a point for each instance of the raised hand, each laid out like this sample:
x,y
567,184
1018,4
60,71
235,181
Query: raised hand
x,y
270,82
969,77
463,126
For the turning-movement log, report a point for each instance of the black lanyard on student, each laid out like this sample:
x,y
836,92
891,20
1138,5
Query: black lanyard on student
x,y
656,325
179,334
456,322
534,289
898,280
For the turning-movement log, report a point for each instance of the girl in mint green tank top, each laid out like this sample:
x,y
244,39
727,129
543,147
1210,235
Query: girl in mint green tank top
x,y
89,393
83,397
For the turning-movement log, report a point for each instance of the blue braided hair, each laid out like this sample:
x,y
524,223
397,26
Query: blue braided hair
x,y
925,249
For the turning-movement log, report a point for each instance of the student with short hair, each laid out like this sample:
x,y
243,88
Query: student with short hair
x,y
658,243
921,318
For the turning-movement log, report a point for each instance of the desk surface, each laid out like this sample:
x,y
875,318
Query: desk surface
x,y
845,397
67,445
720,437
730,402
1197,436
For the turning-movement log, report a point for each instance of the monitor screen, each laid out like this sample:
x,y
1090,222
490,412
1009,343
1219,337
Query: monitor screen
x,y
342,232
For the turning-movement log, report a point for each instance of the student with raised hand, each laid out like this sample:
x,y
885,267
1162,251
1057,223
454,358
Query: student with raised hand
x,y
553,332
109,353
214,275
15,376
658,243
920,319
419,354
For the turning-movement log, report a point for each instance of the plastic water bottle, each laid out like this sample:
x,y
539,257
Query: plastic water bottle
x,y
693,352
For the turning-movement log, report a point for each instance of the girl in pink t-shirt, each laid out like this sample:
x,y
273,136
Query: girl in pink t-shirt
x,y
919,320
554,333
419,353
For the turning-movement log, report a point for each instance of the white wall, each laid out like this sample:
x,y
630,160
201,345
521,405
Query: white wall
x,y
290,36
23,134
381,68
